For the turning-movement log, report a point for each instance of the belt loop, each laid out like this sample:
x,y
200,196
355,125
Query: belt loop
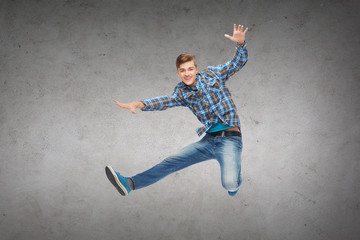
x,y
222,133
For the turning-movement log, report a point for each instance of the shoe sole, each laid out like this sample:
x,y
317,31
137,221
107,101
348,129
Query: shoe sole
x,y
113,178
232,194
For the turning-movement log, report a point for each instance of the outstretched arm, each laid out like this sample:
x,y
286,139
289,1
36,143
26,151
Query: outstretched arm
x,y
238,34
130,106
226,70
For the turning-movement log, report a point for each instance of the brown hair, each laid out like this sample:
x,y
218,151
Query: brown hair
x,y
183,58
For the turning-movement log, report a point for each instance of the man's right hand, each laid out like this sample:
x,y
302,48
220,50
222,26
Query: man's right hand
x,y
130,106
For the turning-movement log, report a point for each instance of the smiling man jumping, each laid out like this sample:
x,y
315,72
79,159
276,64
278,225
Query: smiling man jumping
x,y
205,93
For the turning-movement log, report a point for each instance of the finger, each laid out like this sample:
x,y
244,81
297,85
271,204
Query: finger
x,y
234,27
246,29
239,27
121,104
227,36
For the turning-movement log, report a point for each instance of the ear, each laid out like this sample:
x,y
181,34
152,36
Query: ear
x,y
177,73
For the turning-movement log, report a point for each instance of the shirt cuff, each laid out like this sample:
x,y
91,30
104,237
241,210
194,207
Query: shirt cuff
x,y
242,45
146,102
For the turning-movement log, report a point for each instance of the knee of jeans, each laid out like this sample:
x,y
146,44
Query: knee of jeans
x,y
231,184
171,160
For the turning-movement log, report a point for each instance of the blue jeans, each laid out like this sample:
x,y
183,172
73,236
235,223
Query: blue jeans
x,y
226,150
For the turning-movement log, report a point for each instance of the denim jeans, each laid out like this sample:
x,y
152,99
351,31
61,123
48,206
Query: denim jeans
x,y
226,150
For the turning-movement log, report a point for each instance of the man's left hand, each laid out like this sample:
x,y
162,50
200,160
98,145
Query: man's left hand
x,y
238,34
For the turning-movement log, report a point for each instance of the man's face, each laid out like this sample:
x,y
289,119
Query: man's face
x,y
187,72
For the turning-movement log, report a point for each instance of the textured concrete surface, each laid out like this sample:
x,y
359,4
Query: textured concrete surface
x,y
62,63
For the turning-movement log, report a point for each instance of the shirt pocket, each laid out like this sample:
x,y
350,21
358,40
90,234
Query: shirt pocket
x,y
191,98
214,91
213,85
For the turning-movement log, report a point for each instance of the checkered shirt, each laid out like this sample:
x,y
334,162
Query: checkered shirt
x,y
211,102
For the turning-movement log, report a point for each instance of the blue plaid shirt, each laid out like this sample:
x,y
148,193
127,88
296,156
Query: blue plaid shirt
x,y
211,102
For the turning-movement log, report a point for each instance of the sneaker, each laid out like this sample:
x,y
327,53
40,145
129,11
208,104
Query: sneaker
x,y
233,193
119,181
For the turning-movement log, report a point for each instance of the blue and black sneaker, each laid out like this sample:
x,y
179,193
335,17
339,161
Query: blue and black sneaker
x,y
119,181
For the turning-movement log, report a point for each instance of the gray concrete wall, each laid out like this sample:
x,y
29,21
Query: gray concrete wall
x,y
62,63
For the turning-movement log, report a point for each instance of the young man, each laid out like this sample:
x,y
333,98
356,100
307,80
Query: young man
x,y
207,96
